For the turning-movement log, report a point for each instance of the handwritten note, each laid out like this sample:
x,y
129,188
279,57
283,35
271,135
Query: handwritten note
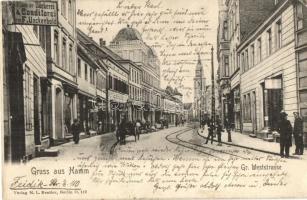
x,y
153,169
178,33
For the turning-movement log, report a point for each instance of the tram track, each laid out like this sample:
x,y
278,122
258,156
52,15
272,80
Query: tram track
x,y
186,144
181,132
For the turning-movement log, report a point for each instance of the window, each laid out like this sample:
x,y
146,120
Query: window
x,y
70,12
259,53
278,34
91,75
269,42
79,68
64,55
247,108
246,60
56,47
110,82
252,55
28,99
226,66
63,8
71,63
225,35
300,16
85,72
248,117
242,61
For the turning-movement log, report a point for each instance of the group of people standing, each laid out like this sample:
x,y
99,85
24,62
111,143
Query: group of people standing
x,y
219,129
285,130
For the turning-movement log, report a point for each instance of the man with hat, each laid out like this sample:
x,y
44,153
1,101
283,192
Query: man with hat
x,y
298,134
285,131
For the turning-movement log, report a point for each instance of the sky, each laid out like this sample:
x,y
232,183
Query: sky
x,y
169,26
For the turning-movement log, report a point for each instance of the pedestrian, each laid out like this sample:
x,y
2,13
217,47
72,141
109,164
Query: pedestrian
x,y
298,134
122,131
219,131
138,128
285,131
228,129
75,129
210,132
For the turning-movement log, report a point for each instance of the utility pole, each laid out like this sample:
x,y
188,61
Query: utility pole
x,y
213,91
201,94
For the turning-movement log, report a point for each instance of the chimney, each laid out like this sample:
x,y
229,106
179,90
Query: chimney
x,y
102,42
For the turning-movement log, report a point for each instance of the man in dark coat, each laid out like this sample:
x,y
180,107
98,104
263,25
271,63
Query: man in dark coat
x,y
210,132
298,134
76,129
228,129
122,130
219,131
285,131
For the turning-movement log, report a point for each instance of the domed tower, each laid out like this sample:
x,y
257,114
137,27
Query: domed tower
x,y
128,43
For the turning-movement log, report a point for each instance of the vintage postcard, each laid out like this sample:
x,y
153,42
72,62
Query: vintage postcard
x,y
154,99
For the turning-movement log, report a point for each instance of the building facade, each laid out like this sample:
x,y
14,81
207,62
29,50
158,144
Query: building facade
x,y
300,24
61,54
242,16
26,91
223,78
268,71
129,45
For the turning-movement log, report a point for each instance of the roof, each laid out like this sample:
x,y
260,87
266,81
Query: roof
x,y
105,51
127,33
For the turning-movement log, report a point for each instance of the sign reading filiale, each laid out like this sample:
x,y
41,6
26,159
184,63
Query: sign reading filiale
x,y
44,13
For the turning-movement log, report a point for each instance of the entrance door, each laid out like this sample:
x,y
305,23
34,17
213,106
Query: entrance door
x,y
58,114
275,105
36,110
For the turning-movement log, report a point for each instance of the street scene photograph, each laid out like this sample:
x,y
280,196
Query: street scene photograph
x,y
154,99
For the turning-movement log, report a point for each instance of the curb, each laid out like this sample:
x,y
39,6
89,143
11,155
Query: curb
x,y
245,147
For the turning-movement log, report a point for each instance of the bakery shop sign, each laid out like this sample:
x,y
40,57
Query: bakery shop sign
x,y
44,13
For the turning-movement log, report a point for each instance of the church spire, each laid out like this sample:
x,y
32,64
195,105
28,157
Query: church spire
x,y
199,67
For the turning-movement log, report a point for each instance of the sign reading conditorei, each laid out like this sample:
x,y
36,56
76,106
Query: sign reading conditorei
x,y
44,13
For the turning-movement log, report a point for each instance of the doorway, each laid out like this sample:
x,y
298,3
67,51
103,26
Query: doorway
x,y
36,110
58,114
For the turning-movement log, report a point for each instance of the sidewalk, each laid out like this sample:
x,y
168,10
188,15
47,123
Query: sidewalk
x,y
245,141
87,145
